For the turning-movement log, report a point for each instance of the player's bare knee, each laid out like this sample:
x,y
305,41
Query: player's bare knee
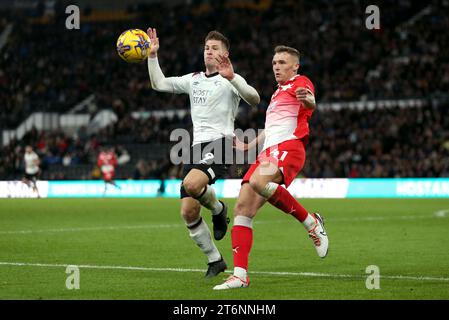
x,y
191,213
257,184
192,187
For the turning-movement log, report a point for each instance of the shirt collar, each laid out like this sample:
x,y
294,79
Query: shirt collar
x,y
211,75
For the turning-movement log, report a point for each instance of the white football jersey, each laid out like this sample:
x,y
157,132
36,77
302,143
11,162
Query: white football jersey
x,y
214,104
30,166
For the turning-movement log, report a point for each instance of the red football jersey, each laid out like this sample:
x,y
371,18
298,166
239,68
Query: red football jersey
x,y
107,161
287,118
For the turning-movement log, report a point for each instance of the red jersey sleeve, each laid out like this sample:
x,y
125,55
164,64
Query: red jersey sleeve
x,y
304,82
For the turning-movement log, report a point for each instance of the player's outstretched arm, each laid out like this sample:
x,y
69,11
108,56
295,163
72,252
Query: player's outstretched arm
x,y
158,81
239,145
248,93
306,96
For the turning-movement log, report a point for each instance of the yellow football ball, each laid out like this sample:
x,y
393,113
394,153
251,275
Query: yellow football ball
x,y
133,45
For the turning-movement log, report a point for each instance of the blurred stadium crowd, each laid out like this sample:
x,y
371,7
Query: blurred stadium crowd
x,y
45,67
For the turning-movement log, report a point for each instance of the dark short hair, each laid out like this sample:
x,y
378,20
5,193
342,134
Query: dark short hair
x,y
290,50
215,35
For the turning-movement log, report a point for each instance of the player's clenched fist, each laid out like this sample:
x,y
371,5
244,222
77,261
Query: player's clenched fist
x,y
152,33
306,96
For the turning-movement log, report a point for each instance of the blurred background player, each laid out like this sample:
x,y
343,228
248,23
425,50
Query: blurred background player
x,y
32,170
286,134
107,161
214,99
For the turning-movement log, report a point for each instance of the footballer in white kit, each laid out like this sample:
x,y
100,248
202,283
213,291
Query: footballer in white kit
x,y
214,99
32,170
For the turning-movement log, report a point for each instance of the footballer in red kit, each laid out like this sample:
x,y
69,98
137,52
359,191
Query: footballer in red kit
x,y
286,130
282,158
107,161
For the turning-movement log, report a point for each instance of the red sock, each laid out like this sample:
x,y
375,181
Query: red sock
x,y
242,240
283,200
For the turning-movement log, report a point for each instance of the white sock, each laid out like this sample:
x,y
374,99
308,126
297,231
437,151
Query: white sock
x,y
269,190
309,222
240,272
201,236
243,221
209,200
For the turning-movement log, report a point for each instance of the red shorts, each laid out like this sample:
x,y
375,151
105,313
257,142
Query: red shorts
x,y
108,176
289,156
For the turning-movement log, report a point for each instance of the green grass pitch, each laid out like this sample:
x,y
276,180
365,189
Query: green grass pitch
x,y
140,249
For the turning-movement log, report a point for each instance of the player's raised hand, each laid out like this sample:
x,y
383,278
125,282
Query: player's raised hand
x,y
239,145
306,96
152,33
224,67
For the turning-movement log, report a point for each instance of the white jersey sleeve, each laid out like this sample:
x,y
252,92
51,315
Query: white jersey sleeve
x,y
181,84
248,93
172,84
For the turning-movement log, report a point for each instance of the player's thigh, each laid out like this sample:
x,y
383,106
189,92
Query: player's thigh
x,y
248,202
266,172
190,209
195,181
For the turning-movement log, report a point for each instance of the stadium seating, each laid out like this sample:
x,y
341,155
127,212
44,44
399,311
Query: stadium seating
x,y
47,68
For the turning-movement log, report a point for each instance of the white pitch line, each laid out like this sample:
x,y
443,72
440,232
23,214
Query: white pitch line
x,y
160,226
382,218
438,214
151,226
441,213
112,228
271,273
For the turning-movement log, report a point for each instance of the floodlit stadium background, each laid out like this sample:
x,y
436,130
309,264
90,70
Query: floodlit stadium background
x,y
382,94
377,163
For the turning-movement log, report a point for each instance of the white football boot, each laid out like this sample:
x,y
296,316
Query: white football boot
x,y
233,282
319,236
